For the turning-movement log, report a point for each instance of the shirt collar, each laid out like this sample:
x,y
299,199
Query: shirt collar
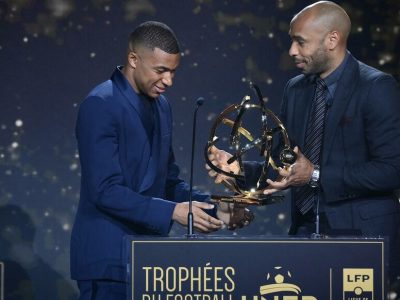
x,y
337,73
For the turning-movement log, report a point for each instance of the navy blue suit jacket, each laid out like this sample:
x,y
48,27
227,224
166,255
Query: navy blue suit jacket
x,y
129,186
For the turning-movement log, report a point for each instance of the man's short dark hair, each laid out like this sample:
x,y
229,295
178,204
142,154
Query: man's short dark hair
x,y
152,34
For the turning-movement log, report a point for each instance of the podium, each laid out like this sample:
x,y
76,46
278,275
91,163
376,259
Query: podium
x,y
256,268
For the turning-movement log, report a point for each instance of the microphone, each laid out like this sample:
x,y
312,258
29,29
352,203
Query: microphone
x,y
200,101
190,234
317,234
329,102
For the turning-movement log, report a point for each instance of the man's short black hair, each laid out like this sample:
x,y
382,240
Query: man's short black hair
x,y
152,34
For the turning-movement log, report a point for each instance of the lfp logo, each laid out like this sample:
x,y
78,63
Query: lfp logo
x,y
358,284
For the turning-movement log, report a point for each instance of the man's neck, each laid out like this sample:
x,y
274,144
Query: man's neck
x,y
337,60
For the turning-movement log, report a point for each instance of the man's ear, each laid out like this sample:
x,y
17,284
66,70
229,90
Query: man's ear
x,y
333,39
132,59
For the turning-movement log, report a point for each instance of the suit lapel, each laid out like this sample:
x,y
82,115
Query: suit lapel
x,y
153,166
163,132
128,92
159,151
341,98
150,156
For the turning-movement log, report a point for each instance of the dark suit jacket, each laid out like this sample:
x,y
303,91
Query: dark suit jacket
x,y
125,181
360,166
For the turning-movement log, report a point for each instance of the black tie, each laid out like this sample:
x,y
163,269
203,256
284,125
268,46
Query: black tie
x,y
306,196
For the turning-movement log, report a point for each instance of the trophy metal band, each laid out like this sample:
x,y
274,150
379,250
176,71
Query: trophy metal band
x,y
233,116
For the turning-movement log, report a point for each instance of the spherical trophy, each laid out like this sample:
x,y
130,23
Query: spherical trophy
x,y
264,132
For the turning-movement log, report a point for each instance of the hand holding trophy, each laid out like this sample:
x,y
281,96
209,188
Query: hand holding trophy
x,y
227,166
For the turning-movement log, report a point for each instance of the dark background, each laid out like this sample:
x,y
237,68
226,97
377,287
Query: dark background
x,y
53,52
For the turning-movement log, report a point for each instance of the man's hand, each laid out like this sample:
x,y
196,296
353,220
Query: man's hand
x,y
297,174
202,221
234,215
219,159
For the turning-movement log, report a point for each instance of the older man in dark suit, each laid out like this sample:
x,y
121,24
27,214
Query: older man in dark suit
x,y
344,117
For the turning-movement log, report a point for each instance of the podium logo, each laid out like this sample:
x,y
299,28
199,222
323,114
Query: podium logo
x,y
358,284
279,288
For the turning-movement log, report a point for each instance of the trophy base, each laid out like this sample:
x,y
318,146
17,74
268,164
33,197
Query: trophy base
x,y
241,199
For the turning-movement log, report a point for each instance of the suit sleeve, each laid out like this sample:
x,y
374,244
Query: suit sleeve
x,y
102,177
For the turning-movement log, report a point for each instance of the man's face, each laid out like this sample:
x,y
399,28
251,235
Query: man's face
x,y
154,71
308,48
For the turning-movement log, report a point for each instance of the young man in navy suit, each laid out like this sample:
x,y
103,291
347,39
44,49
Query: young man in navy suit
x,y
357,172
130,183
